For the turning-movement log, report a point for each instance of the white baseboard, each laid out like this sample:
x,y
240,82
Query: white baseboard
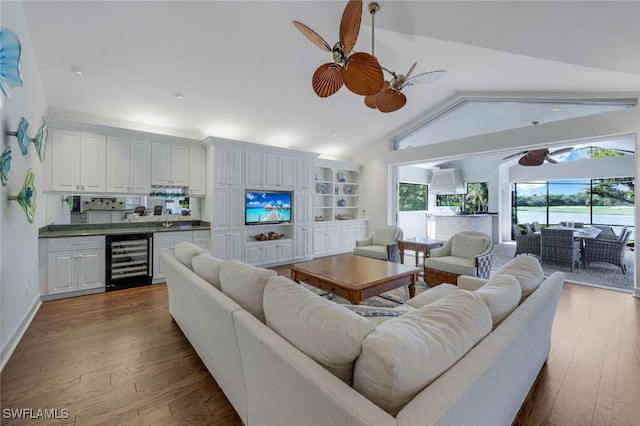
x,y
11,345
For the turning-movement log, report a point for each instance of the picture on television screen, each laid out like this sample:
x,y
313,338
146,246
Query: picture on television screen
x,y
267,207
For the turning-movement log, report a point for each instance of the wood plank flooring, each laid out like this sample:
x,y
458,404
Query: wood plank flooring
x,y
119,359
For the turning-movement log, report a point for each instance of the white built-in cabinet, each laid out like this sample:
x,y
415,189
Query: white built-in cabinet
x,y
72,264
265,170
165,242
241,166
128,165
78,161
197,180
338,237
169,165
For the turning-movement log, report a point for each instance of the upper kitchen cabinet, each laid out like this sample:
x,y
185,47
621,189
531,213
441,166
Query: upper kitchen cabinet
x,y
78,161
197,180
169,165
128,165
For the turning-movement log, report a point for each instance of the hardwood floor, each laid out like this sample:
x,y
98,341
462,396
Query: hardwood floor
x,y
118,358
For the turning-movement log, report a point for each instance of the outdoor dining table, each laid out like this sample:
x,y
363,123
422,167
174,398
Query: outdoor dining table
x,y
581,234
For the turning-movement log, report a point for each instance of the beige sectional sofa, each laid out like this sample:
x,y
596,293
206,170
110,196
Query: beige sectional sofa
x,y
465,355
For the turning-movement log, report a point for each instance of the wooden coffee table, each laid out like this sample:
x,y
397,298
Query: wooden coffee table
x,y
353,277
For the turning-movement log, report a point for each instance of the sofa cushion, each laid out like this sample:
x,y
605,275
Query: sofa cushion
x,y
502,295
325,331
185,251
208,268
245,285
527,270
431,295
467,246
404,355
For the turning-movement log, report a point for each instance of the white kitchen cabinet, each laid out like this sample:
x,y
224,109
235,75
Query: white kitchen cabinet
x,y
229,167
197,162
202,239
78,161
169,165
74,264
228,244
338,236
326,239
165,242
269,252
352,232
128,165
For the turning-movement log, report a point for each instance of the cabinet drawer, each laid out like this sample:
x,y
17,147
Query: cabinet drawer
x,y
76,243
202,235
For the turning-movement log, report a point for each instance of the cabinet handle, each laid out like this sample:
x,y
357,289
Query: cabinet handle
x,y
83,187
77,186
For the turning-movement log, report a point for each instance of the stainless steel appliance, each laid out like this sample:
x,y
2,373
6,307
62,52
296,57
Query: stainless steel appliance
x,y
128,261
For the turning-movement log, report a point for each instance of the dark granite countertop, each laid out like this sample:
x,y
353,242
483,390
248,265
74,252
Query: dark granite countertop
x,y
85,230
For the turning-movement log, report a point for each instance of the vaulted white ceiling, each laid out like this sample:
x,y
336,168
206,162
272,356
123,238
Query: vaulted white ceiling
x,y
245,71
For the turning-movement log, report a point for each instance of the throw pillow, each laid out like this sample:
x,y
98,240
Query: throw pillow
x,y
325,331
185,251
245,285
404,355
468,246
502,295
208,268
527,270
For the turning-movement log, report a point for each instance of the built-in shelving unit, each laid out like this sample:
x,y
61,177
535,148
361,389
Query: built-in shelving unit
x,y
337,188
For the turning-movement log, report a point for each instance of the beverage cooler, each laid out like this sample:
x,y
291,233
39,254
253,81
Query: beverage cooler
x,y
128,261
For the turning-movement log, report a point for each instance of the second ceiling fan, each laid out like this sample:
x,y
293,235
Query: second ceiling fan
x,y
536,157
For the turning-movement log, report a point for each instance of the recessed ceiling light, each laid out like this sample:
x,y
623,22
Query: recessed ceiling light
x,y
178,95
77,70
555,109
335,133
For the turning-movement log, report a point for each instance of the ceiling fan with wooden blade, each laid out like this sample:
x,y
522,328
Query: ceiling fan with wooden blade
x,y
537,157
360,72
391,98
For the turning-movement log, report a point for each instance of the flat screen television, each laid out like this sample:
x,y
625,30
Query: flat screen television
x,y
265,207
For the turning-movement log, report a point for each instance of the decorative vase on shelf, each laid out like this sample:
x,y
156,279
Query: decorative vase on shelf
x,y
342,202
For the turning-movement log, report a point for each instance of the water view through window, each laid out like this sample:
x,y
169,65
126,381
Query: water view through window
x,y
607,201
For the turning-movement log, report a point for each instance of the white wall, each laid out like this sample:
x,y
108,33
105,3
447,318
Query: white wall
x,y
19,289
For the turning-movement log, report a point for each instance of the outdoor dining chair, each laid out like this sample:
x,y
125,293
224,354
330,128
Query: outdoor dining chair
x,y
559,246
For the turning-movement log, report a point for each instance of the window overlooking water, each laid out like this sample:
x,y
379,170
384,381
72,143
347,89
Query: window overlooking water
x,y
604,201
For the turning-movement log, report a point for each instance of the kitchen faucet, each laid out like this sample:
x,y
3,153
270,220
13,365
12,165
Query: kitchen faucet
x,y
167,223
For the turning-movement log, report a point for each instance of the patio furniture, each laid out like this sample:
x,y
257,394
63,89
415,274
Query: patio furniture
x,y
140,210
536,227
526,243
382,244
606,232
466,253
607,250
528,228
560,246
157,210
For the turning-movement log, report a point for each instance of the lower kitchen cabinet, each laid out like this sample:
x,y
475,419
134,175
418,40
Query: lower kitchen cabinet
x,y
73,264
165,242
338,236
202,239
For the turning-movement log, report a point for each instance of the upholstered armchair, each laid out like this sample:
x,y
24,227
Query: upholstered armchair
x,y
607,250
466,253
526,243
381,244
